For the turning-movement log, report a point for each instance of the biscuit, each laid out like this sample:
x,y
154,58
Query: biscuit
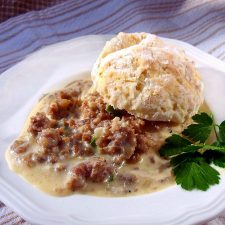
x,y
148,78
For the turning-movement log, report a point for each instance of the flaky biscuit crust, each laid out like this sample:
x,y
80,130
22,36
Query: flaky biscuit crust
x,y
150,79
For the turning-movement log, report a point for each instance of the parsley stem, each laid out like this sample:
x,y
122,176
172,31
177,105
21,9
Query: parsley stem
x,y
214,128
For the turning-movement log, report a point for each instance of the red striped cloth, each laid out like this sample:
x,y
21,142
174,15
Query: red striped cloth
x,y
43,22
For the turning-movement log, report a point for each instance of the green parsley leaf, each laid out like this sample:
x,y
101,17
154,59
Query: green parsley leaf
x,y
195,173
222,131
109,109
220,161
93,141
176,144
201,130
215,157
185,157
216,143
203,118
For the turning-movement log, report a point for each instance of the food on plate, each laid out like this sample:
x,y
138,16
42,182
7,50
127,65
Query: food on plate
x,y
74,143
148,78
113,135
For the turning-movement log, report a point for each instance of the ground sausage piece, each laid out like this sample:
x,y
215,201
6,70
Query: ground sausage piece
x,y
60,108
19,146
79,177
134,158
118,139
93,107
69,94
79,146
49,138
28,160
142,143
38,157
66,102
141,147
82,149
38,123
96,170
99,170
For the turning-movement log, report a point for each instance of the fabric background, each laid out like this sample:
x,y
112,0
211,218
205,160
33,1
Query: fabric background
x,y
43,22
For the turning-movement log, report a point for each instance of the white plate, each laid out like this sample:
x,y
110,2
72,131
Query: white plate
x,y
20,88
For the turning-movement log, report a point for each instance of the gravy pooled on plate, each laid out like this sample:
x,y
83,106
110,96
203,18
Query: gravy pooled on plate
x,y
73,143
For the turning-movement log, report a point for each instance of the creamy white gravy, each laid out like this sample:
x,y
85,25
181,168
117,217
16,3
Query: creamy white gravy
x,y
153,172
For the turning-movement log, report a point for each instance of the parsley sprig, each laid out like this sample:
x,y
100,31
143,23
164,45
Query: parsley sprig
x,y
191,157
93,141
